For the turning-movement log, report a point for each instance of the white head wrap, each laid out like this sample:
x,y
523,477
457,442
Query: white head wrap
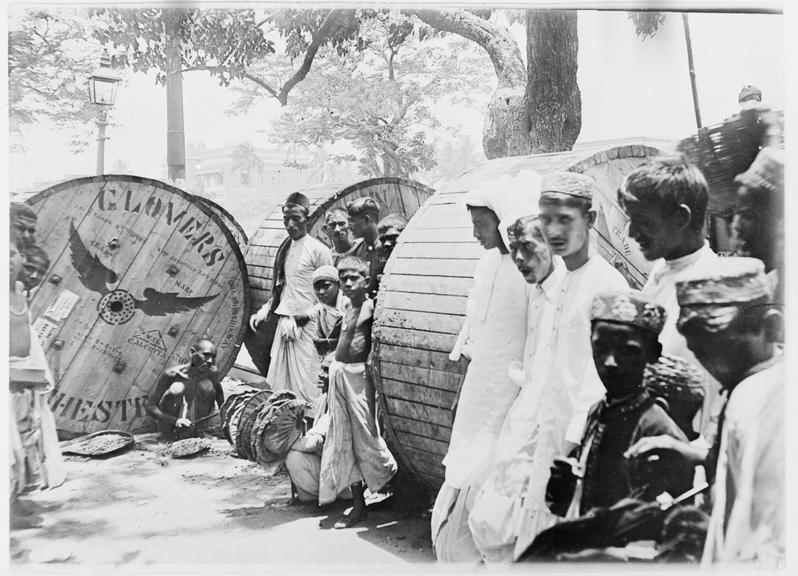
x,y
510,197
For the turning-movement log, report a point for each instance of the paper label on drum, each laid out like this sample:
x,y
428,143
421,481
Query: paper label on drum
x,y
45,330
61,308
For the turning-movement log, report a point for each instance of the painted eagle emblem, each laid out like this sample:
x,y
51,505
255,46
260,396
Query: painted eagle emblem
x,y
117,305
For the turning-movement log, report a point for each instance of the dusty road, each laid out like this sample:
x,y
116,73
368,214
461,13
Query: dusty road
x,y
145,511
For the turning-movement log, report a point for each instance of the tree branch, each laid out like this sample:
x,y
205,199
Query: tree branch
x,y
263,84
498,43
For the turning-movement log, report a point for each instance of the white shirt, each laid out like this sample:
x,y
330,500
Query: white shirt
x,y
747,522
304,257
661,288
562,368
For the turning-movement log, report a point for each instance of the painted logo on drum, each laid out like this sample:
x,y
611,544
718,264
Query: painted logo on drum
x,y
117,306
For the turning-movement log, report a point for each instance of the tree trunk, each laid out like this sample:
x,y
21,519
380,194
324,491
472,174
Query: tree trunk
x,y
506,128
554,103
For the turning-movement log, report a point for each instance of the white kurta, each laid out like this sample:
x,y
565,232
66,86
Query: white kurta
x,y
747,521
564,382
493,336
295,363
496,512
661,287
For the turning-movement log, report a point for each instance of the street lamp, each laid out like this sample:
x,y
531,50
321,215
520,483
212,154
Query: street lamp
x,y
102,92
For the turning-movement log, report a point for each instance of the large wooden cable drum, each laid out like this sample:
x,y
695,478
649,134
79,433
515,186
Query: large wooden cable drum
x,y
395,195
229,221
139,271
423,294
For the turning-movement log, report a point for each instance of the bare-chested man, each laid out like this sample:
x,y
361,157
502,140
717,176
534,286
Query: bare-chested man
x,y
186,393
354,452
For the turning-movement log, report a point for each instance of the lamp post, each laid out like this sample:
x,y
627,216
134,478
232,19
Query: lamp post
x,y
102,93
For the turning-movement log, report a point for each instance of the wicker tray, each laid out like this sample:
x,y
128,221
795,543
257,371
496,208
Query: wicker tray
x,y
99,444
189,447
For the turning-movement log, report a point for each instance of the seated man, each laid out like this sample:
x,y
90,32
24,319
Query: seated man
x,y
304,459
328,312
186,393
625,328
354,451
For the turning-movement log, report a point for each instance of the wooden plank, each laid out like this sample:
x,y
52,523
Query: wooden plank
x,y
399,264
443,250
414,357
432,235
427,321
441,304
440,379
424,462
419,412
437,221
415,338
417,393
444,285
428,445
426,429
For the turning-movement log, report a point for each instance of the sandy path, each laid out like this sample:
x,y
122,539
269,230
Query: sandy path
x,y
142,509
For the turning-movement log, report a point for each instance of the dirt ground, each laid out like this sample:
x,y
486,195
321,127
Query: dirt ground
x,y
145,511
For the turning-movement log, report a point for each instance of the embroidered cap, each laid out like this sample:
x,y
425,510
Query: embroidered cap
x,y
628,308
298,199
326,272
749,92
766,171
717,296
673,376
569,183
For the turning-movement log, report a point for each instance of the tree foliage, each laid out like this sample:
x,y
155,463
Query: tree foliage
x,y
647,23
376,94
49,62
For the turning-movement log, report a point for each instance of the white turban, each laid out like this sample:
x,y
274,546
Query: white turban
x,y
510,197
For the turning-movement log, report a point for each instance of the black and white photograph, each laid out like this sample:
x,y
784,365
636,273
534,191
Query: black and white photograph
x,y
398,287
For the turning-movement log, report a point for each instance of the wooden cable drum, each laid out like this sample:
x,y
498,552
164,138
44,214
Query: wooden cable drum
x,y
231,223
423,293
395,195
139,271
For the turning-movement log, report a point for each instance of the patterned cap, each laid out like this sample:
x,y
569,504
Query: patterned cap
x,y
749,92
326,272
569,183
672,375
717,296
766,171
629,308
298,199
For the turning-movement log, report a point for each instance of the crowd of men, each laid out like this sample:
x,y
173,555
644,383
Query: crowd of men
x,y
591,415
606,416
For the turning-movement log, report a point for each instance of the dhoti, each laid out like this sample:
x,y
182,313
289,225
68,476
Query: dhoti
x,y
295,363
353,450
451,537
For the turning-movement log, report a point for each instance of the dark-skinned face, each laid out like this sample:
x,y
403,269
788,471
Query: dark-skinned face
x,y
753,232
295,220
326,291
204,357
337,226
33,272
486,227
621,353
530,253
25,230
722,353
565,228
359,224
353,283
653,229
388,241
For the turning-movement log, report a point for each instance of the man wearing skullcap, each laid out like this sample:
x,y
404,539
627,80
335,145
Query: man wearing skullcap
x,y
758,225
729,323
665,200
562,371
625,327
294,361
749,97
491,339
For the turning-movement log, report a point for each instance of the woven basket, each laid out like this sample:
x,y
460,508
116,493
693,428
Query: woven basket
x,y
725,150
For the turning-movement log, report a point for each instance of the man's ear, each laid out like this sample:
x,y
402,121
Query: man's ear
x,y
774,325
591,218
682,217
367,279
